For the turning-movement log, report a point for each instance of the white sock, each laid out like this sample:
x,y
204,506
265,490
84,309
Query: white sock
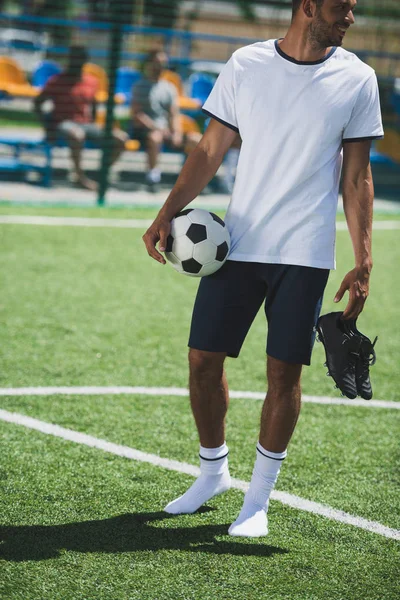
x,y
252,520
154,175
213,480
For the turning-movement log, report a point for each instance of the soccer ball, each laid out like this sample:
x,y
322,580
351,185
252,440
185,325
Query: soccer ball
x,y
198,244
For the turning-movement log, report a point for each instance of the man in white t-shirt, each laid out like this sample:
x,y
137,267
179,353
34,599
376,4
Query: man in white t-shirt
x,y
297,104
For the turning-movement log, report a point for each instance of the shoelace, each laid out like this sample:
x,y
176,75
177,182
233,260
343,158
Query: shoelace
x,y
354,354
353,344
368,357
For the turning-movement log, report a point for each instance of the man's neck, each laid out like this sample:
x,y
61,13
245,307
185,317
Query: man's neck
x,y
154,78
297,45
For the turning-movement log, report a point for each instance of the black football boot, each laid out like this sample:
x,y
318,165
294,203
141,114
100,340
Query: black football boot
x,y
366,360
342,350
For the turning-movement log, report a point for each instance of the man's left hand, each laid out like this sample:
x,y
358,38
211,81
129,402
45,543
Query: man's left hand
x,y
356,283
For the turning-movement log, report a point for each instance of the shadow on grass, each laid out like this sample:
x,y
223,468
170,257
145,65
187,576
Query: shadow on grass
x,y
125,533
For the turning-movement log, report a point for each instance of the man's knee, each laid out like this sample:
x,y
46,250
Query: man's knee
x,y
120,138
206,363
76,137
155,137
283,376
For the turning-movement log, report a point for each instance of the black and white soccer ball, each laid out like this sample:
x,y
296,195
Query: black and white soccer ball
x,y
198,244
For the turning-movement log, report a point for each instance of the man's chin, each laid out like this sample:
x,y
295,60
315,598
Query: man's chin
x,y
338,41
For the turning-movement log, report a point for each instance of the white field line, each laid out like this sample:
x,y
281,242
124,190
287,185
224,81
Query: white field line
x,y
172,391
76,221
131,223
173,465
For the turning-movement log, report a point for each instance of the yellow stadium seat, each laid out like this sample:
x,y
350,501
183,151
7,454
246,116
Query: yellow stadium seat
x,y
13,80
184,102
101,76
99,73
132,145
390,144
189,125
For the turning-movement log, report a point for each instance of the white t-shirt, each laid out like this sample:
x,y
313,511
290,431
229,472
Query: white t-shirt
x,y
293,118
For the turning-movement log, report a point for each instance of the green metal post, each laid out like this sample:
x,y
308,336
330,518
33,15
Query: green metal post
x,y
114,61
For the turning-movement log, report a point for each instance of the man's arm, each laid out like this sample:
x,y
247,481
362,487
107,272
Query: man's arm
x,y
141,119
358,195
198,170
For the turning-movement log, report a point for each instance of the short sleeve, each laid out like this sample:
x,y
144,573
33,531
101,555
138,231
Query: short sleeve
x,y
220,104
366,119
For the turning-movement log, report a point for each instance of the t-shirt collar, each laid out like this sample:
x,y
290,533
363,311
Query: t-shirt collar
x,y
302,62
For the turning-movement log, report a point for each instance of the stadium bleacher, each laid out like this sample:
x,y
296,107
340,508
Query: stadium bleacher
x,y
193,89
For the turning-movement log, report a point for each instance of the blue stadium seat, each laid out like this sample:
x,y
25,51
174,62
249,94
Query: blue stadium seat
x,y
126,78
20,166
200,86
377,158
43,72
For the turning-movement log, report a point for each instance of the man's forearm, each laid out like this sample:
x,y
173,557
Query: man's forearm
x,y
143,120
197,172
358,199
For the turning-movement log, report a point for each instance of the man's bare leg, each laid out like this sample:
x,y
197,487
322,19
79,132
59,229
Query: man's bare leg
x,y
209,400
209,396
119,138
281,406
153,148
76,142
279,417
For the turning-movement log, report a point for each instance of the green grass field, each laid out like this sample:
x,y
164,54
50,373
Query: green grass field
x,y
86,307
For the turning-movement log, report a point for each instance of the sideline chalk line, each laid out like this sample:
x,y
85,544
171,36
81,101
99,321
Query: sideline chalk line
x,y
181,467
75,221
173,391
133,223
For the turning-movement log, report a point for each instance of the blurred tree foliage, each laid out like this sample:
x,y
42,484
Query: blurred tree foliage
x,y
50,8
381,9
156,13
60,10
164,13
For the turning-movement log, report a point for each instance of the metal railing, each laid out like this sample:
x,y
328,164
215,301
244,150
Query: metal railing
x,y
178,44
107,44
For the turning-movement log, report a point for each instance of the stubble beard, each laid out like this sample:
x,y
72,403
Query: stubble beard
x,y
320,34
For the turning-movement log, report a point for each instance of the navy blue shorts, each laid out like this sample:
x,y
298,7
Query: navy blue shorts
x,y
228,301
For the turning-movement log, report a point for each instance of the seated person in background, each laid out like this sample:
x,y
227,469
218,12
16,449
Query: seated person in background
x,y
156,116
73,96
